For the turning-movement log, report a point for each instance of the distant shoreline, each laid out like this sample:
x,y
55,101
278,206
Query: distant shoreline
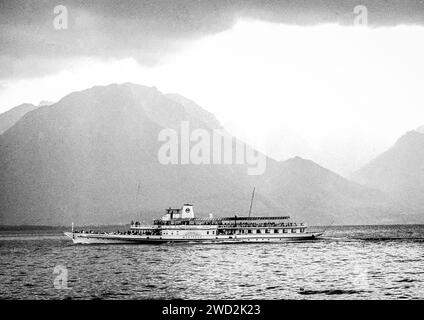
x,y
43,227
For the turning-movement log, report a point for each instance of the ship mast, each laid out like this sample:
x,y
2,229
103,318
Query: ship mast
x,y
251,201
136,196
136,201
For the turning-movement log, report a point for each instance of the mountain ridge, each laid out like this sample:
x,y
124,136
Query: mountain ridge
x,y
399,171
10,117
84,159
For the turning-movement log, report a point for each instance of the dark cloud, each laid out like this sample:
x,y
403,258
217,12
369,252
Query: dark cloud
x,y
149,29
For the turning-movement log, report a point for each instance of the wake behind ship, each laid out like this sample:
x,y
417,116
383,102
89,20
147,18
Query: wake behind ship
x,y
180,225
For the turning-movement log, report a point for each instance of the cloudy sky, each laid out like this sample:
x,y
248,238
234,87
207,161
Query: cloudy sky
x,y
291,77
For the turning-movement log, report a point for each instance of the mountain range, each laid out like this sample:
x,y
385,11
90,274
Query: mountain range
x,y
92,158
9,118
399,172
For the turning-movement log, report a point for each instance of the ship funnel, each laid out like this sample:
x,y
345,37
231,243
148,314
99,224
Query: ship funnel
x,y
187,211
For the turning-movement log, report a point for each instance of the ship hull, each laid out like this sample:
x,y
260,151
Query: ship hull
x,y
82,238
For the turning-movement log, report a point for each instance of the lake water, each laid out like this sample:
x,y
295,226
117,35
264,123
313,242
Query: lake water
x,y
361,262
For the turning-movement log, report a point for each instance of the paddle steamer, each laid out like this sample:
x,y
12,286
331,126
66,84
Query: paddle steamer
x,y
180,225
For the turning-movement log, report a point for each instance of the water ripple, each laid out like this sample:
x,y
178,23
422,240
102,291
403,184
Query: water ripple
x,y
349,263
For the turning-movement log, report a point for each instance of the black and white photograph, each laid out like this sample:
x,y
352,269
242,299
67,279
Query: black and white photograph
x,y
211,150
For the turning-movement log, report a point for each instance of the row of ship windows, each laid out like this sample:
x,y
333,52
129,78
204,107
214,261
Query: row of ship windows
x,y
249,231
177,232
298,230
